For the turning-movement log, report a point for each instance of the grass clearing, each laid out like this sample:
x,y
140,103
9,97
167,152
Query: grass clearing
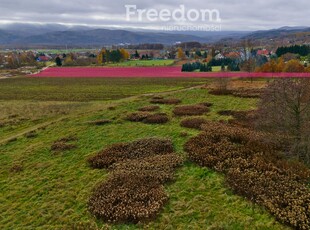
x,y
87,89
51,191
144,63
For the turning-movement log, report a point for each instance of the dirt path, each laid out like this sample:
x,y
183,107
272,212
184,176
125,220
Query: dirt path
x,y
116,103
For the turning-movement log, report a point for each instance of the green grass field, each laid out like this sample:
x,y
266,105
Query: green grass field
x,y
146,63
52,190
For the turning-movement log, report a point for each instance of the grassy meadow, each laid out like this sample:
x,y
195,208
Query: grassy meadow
x,y
144,63
41,189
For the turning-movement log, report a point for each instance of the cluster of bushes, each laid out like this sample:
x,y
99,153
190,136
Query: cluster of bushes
x,y
150,108
165,101
64,144
191,110
255,169
193,123
148,118
191,67
134,192
241,118
242,93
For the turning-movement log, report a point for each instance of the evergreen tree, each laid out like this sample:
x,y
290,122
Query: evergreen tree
x,y
58,61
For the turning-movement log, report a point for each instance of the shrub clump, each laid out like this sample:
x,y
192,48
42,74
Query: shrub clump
x,y
127,199
137,116
31,134
171,101
134,192
254,169
159,167
150,108
190,110
64,144
134,150
194,123
16,168
148,118
158,118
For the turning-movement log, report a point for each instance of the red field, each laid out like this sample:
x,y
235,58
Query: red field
x,y
174,71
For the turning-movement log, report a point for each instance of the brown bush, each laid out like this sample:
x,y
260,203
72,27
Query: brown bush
x,y
31,134
99,122
193,123
148,118
160,167
127,199
150,108
16,168
243,93
158,118
190,110
112,108
285,198
225,112
64,144
245,118
170,101
254,169
247,93
207,104
134,193
137,116
134,150
184,134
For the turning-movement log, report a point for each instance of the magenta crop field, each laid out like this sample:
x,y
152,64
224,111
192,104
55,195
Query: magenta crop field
x,y
164,72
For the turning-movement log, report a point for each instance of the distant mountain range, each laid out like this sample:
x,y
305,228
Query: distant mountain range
x,y
33,35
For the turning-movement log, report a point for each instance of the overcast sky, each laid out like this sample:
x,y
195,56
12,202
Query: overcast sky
x,y
235,14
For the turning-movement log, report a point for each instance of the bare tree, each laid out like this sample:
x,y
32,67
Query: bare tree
x,y
285,108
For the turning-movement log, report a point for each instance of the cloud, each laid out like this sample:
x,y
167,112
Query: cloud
x,y
235,14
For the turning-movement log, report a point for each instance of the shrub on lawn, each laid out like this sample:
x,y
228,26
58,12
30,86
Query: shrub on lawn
x,y
134,150
148,118
64,144
225,112
207,104
193,123
150,108
247,93
170,101
135,192
127,199
16,168
158,118
244,118
254,169
159,167
31,134
137,116
190,110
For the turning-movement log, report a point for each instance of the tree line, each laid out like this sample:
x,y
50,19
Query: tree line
x,y
302,50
